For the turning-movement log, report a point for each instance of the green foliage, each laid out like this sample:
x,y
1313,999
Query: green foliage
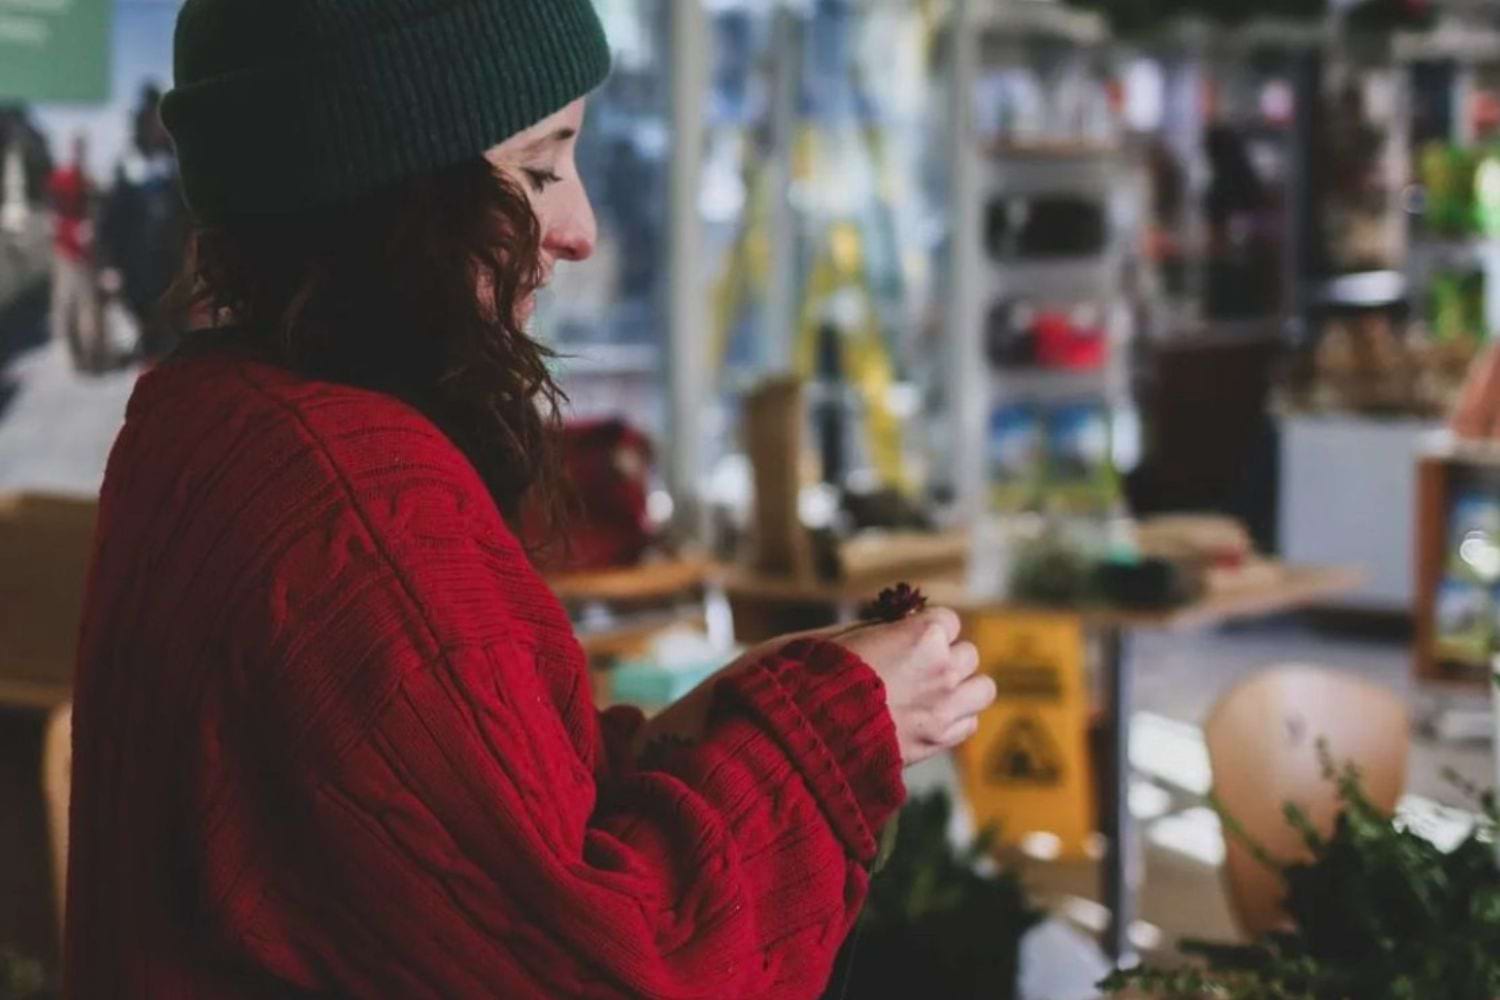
x,y
20,978
1380,914
1052,572
935,925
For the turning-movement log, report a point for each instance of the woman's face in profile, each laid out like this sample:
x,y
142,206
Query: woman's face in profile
x,y
541,160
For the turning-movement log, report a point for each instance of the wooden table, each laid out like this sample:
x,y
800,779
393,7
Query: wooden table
x,y
1295,588
45,546
644,601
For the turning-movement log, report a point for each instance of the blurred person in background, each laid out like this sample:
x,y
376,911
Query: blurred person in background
x,y
333,734
144,226
75,315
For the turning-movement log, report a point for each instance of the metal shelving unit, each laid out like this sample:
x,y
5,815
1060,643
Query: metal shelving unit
x,y
990,170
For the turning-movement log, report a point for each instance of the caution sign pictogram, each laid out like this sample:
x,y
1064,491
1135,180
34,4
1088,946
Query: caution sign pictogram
x,y
1025,754
1027,769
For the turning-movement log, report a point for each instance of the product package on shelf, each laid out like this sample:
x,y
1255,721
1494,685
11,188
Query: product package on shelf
x,y
1024,335
1054,458
1017,457
1466,608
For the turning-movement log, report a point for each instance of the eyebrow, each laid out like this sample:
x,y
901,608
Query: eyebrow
x,y
561,135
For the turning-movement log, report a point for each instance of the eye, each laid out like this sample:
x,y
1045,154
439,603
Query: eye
x,y
541,179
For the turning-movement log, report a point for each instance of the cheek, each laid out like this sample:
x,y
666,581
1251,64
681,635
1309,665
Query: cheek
x,y
544,207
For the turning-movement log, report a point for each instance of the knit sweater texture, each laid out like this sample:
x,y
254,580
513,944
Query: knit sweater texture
x,y
334,736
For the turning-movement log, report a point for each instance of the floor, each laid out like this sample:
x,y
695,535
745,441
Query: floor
x,y
57,425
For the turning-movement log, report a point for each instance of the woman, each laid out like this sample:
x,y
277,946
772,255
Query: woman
x,y
333,734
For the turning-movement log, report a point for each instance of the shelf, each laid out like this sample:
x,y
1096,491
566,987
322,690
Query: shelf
x,y
1365,290
635,584
1459,42
632,635
1294,587
1432,252
1277,33
1444,447
1108,384
1048,18
1032,176
1069,151
1058,280
1261,33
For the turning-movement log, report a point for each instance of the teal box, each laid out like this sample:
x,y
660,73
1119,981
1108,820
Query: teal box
x,y
643,682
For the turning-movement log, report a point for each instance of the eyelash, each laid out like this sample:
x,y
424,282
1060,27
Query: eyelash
x,y
541,179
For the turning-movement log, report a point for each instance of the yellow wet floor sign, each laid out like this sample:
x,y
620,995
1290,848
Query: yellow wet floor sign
x,y
1027,770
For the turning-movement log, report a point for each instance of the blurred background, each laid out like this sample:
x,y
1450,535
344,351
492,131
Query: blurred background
x,y
1151,334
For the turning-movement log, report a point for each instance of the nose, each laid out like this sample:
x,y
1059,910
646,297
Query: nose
x,y
574,235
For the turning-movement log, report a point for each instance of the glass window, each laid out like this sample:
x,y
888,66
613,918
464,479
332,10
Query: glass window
x,y
608,317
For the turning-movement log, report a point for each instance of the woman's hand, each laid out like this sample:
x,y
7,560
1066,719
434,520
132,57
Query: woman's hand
x,y
932,684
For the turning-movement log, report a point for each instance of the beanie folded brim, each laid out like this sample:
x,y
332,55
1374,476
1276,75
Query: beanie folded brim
x,y
322,130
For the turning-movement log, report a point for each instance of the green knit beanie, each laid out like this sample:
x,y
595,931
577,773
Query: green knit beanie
x,y
286,105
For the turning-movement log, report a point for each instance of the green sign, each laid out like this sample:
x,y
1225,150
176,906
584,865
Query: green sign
x,y
54,50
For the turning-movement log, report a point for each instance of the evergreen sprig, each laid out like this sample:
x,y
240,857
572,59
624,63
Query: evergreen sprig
x,y
1380,913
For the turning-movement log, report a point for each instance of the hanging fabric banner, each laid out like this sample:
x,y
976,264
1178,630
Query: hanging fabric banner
x,y
54,50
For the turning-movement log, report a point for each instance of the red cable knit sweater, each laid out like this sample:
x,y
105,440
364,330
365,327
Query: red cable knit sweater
x,y
335,736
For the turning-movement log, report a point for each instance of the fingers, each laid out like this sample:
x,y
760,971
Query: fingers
x,y
945,619
958,732
932,682
953,717
963,662
933,652
971,697
956,717
940,630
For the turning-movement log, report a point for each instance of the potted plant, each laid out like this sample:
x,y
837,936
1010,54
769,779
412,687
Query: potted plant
x,y
940,922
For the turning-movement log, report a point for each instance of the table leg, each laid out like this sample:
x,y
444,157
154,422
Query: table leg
x,y
57,781
1121,874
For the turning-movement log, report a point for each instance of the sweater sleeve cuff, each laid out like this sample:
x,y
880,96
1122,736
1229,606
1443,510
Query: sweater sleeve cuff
x,y
827,709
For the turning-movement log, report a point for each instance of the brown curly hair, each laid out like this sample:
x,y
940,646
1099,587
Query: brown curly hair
x,y
414,291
